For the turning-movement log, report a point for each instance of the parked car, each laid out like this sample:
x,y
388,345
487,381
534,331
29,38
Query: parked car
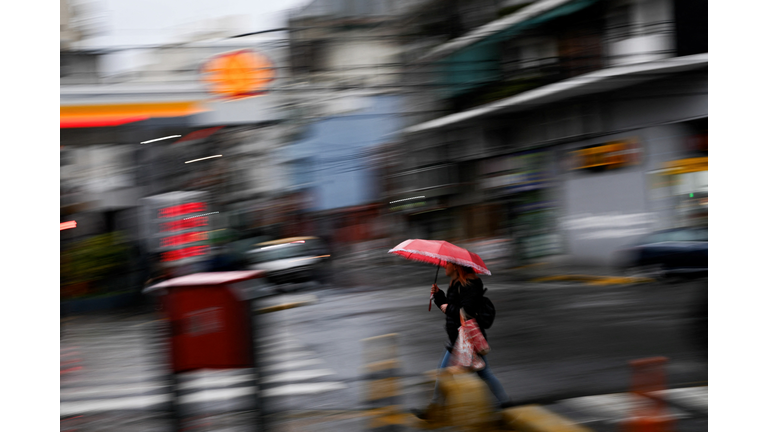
x,y
294,259
678,252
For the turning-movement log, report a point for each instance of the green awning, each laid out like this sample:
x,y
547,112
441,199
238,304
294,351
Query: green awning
x,y
479,63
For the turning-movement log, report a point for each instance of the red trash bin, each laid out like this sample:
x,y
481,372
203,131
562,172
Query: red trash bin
x,y
210,320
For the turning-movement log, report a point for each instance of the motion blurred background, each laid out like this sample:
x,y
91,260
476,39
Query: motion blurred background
x,y
542,130
564,133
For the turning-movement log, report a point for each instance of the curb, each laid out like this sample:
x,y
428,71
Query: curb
x,y
535,418
285,306
594,280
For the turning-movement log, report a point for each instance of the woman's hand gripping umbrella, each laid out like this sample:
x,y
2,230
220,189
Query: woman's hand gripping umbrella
x,y
439,253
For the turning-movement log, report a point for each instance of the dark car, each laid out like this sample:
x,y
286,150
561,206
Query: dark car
x,y
295,259
677,252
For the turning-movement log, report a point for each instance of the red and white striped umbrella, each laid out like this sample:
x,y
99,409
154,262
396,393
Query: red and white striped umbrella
x,y
439,253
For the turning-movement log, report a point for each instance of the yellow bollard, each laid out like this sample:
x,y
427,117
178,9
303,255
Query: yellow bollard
x,y
383,388
467,401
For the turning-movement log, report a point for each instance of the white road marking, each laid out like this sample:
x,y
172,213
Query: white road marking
x,y
217,394
126,403
298,375
220,381
108,391
696,397
612,407
306,388
295,364
287,356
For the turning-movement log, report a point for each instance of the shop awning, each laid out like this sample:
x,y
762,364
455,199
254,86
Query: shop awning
x,y
82,116
600,81
503,28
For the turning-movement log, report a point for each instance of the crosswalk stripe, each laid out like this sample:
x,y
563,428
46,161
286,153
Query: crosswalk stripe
x,y
292,365
108,391
215,381
697,397
612,407
297,375
210,395
137,377
284,345
303,389
288,355
101,405
91,381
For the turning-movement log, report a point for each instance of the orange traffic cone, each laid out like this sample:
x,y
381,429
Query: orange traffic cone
x,y
649,414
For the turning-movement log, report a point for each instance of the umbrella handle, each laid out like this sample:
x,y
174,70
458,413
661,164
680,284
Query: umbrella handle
x,y
431,296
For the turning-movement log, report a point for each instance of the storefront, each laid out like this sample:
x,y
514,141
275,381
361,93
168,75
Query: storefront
x,y
520,185
619,188
688,177
603,196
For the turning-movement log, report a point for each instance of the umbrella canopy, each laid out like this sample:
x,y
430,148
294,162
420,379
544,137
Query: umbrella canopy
x,y
439,252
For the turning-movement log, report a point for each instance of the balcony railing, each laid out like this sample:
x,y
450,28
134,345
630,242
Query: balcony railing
x,y
521,76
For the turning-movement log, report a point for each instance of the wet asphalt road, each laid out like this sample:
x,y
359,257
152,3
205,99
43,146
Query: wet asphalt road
x,y
550,341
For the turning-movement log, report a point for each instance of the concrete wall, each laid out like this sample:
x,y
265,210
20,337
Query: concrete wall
x,y
602,212
363,61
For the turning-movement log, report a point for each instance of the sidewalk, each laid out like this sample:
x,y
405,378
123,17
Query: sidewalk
x,y
686,409
559,269
372,258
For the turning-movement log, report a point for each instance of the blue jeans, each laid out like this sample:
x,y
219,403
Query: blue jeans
x,y
485,374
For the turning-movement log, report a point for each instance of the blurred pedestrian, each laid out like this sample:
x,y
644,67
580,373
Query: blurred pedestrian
x,y
464,292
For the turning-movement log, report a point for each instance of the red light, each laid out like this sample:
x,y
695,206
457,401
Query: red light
x,y
184,224
67,225
180,210
180,239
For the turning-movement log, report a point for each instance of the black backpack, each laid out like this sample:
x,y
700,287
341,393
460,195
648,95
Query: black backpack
x,y
487,312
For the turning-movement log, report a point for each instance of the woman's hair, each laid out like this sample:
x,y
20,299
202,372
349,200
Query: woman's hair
x,y
462,274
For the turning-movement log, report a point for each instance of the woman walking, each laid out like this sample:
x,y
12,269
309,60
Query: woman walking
x,y
464,292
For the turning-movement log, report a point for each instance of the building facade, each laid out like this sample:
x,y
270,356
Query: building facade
x,y
346,60
566,128
105,168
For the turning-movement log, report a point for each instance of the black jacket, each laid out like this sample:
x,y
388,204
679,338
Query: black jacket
x,y
467,297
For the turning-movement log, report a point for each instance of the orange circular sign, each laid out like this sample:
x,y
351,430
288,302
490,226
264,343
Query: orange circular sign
x,y
238,74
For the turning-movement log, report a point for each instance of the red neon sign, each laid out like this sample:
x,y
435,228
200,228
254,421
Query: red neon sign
x,y
183,224
181,239
67,225
188,252
182,209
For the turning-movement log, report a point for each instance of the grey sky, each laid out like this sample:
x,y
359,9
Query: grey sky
x,y
143,22
132,23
